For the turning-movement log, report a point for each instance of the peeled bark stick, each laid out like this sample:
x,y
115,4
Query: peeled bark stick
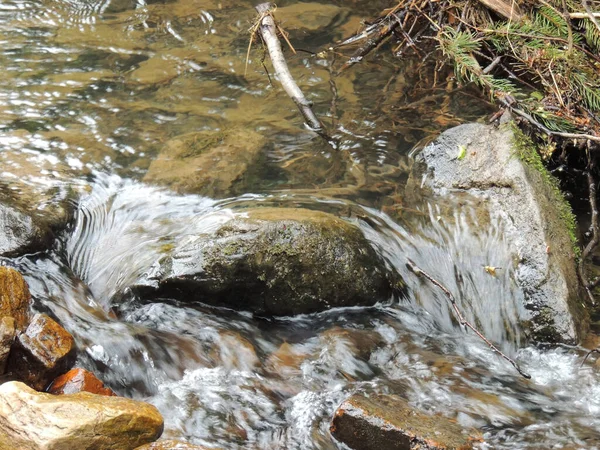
x,y
508,9
268,32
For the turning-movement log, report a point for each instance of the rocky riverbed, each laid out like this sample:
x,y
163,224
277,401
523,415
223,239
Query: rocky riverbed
x,y
183,265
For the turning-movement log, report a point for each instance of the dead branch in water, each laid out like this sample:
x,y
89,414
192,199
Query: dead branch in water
x,y
267,29
594,350
382,31
418,271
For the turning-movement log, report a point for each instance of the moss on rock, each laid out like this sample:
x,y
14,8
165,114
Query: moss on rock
x,y
277,261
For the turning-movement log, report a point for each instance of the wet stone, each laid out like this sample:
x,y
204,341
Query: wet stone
x,y
500,175
20,233
386,422
156,70
31,420
309,16
361,342
79,380
274,261
14,297
171,444
286,360
36,196
211,164
7,336
43,352
233,351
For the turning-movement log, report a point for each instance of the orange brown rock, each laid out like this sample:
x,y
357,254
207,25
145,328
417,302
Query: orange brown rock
x,y
43,352
387,422
79,380
14,297
170,444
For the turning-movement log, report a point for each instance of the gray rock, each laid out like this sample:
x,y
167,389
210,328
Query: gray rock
x,y
486,163
275,261
35,200
21,234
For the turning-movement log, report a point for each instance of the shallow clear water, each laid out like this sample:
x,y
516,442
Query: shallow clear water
x,y
93,93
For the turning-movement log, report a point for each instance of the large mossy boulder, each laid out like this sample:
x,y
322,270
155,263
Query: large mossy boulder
x,y
499,169
274,261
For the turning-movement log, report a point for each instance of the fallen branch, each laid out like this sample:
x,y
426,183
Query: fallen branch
x,y
418,271
530,119
509,10
595,350
268,31
590,14
595,230
381,30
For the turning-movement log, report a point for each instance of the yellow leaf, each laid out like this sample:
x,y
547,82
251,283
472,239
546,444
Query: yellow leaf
x,y
491,270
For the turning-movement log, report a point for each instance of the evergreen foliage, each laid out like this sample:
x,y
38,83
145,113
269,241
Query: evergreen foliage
x,y
550,64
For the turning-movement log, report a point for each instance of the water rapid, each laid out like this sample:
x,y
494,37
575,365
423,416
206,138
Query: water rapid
x,y
92,95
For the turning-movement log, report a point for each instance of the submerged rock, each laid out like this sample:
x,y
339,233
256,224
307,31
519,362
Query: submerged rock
x,y
79,380
234,352
507,179
361,343
308,16
274,261
36,194
386,422
287,360
31,420
206,163
42,352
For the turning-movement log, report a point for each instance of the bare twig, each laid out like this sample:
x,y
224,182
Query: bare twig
x,y
509,9
595,230
492,65
268,32
418,271
590,14
537,124
595,350
385,28
334,93
585,15
569,27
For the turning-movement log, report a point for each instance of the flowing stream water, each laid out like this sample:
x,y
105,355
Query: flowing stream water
x,y
91,93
